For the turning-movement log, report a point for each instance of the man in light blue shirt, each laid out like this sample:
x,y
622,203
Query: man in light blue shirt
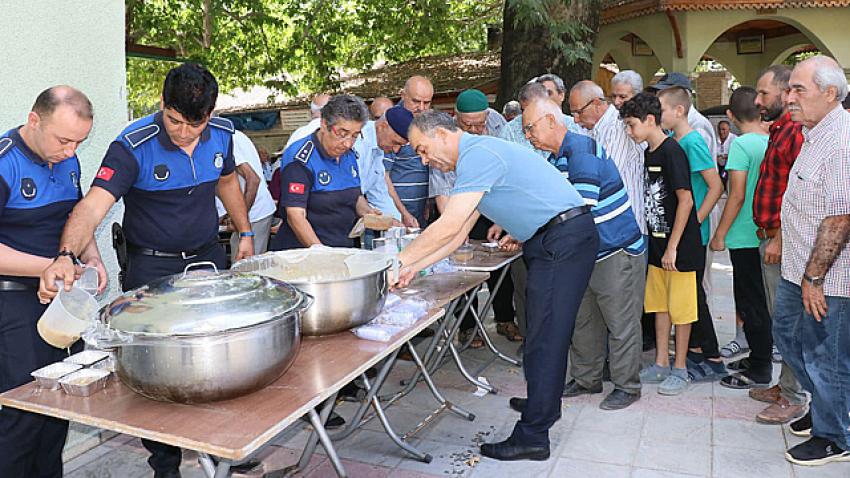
x,y
513,130
378,138
511,186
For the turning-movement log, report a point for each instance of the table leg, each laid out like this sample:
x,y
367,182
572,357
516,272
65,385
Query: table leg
x,y
479,322
214,467
436,392
357,420
318,435
379,410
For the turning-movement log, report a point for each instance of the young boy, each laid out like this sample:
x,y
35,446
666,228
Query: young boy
x,y
675,251
704,364
737,231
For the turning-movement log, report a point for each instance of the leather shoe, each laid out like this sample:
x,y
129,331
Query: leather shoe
x,y
507,451
767,395
518,404
781,412
619,399
573,389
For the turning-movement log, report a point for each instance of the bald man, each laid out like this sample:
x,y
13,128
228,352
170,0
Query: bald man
x,y
379,106
406,176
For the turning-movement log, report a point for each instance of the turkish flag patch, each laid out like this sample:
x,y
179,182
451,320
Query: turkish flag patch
x,y
105,173
294,188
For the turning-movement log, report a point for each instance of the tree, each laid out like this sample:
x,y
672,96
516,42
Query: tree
x,y
546,36
296,46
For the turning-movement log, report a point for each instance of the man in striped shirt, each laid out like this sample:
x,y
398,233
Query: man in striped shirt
x,y
614,297
406,176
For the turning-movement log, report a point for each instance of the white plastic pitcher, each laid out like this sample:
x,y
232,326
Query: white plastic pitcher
x,y
70,313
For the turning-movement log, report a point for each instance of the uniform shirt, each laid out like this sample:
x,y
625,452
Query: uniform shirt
x,y
370,161
244,151
585,165
746,154
328,189
667,171
513,132
169,196
35,199
410,179
786,139
700,160
610,132
818,187
521,193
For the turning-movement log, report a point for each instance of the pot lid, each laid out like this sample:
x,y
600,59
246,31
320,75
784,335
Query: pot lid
x,y
202,302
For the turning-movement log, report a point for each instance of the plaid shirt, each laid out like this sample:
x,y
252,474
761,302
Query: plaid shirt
x,y
786,139
818,187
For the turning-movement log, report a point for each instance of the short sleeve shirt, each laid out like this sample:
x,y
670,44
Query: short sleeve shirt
x,y
169,196
521,192
746,154
35,198
667,171
328,189
700,160
244,152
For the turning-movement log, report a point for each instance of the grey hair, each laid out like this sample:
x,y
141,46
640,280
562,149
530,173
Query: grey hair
x,y
512,108
629,77
531,91
829,73
588,89
559,83
345,107
430,120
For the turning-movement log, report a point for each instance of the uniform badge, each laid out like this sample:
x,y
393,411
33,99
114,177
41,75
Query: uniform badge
x,y
324,178
28,189
353,171
304,153
104,173
219,160
75,180
161,172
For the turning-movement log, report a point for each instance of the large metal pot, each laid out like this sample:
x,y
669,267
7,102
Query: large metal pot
x,y
203,336
340,304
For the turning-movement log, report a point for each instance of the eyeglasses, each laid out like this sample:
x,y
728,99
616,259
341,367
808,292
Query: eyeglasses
x,y
581,110
345,135
530,126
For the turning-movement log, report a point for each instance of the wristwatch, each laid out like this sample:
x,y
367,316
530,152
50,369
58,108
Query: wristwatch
x,y
815,281
246,234
71,255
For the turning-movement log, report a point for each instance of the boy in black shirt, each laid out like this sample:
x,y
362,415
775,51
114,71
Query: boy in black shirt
x,y
675,246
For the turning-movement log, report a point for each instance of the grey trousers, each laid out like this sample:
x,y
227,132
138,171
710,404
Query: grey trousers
x,y
262,230
612,307
519,274
771,274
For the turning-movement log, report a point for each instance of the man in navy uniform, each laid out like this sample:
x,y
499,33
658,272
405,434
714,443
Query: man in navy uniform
x,y
512,187
39,185
168,167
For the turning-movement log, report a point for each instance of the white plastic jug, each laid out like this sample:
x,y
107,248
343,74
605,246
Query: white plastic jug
x,y
70,313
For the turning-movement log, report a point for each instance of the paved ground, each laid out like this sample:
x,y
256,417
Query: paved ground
x,y
707,432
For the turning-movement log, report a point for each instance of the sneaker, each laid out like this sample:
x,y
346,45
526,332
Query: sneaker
x,y
675,383
654,374
573,389
734,348
775,355
780,412
619,399
816,451
803,426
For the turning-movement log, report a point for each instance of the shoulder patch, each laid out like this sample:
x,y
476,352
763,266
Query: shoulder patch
x,y
5,145
305,151
223,123
139,136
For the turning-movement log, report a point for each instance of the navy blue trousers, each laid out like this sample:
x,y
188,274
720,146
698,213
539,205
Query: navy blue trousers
x,y
560,261
30,444
141,270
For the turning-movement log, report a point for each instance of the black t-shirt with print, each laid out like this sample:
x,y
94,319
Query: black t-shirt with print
x,y
666,170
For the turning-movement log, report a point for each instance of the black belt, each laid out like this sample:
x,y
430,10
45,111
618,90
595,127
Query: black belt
x,y
12,286
564,217
185,255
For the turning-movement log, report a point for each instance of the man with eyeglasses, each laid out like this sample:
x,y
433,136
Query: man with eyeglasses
x,y
513,131
320,180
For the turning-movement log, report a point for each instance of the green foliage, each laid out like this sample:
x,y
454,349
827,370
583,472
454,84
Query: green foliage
x,y
297,46
566,32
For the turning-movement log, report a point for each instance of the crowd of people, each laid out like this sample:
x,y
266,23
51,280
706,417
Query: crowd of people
x,y
616,206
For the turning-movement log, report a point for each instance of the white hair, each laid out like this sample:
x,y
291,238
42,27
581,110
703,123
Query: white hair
x,y
545,106
828,73
629,77
588,89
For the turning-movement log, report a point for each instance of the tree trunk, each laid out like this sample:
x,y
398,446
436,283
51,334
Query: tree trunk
x,y
527,52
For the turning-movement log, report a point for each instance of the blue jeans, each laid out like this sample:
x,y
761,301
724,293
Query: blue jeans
x,y
819,355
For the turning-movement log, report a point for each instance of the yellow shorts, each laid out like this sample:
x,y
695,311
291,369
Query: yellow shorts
x,y
672,292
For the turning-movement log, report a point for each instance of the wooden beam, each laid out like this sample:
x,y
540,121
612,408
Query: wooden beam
x,y
151,52
674,24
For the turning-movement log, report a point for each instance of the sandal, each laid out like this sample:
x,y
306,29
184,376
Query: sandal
x,y
466,335
702,372
509,330
733,349
739,381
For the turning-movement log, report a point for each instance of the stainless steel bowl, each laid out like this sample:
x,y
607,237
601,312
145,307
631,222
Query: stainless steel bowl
x,y
203,337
